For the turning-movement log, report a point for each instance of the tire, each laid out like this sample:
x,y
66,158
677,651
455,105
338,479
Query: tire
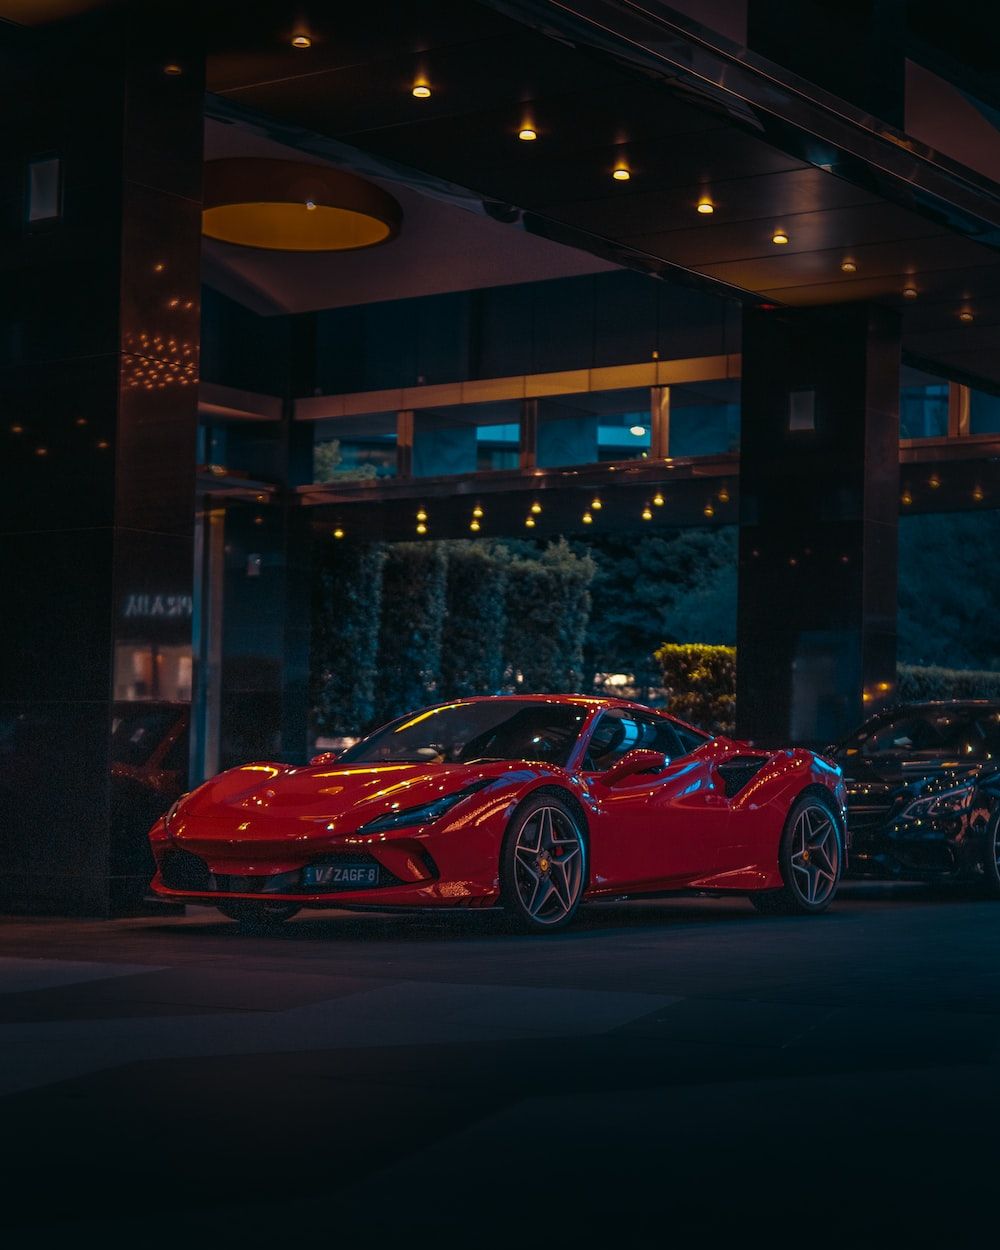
x,y
543,865
991,859
258,917
811,860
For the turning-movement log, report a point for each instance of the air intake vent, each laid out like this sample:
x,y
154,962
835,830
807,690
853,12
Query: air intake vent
x,y
739,770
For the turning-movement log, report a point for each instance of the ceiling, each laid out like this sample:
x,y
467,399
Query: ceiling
x,y
439,248
490,74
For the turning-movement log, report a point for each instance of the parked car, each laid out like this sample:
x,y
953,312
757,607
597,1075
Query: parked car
x,y
532,803
149,770
923,793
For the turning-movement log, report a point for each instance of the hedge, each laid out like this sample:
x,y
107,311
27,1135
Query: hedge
x,y
916,682
700,681
414,585
347,601
472,659
548,607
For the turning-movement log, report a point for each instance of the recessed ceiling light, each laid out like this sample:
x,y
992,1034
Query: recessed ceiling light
x,y
477,512
779,237
338,532
530,522
637,431
421,528
647,513
527,134
172,69
706,207
849,266
311,205
421,91
909,292
421,515
587,518
474,526
301,41
966,315
596,504
536,507
658,499
621,174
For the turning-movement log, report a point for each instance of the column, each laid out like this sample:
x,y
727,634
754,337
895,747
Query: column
x,y
100,233
819,484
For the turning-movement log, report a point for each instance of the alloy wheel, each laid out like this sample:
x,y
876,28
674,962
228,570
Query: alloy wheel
x,y
548,864
815,855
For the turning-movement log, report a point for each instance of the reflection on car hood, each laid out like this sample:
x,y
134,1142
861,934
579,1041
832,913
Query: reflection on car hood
x,y
347,796
883,774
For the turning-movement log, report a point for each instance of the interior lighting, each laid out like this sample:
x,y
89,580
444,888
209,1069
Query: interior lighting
x,y
966,316
637,431
530,522
621,174
909,292
706,206
708,510
849,266
301,41
474,526
587,519
421,515
421,91
779,237
658,499
477,512
338,532
647,513
527,134
536,507
421,528
596,504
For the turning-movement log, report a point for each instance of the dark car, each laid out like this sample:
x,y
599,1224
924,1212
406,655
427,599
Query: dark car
x,y
923,793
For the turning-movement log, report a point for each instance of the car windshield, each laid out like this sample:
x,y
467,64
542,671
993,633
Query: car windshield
x,y
459,733
964,733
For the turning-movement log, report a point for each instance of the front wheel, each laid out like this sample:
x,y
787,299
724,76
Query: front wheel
x,y
258,917
810,860
543,865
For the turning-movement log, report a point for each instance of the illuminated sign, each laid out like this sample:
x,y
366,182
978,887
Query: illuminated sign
x,y
165,607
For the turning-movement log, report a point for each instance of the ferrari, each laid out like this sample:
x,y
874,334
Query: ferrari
x,y
530,803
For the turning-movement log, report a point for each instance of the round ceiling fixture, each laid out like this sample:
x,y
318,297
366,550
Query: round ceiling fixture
x,y
293,206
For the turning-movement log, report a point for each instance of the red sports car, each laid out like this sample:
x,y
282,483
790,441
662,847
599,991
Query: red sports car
x,y
531,803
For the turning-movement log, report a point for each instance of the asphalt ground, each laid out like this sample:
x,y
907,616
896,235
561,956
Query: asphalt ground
x,y
674,1070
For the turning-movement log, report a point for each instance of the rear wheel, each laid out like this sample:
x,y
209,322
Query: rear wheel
x,y
543,865
810,860
258,917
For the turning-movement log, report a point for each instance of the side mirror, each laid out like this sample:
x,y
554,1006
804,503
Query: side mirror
x,y
324,757
633,762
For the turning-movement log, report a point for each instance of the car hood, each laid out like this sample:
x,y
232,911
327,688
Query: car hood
x,y
885,774
260,797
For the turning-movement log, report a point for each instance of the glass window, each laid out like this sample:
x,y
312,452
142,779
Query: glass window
x,y
467,438
505,729
587,428
963,732
136,731
984,413
355,448
619,731
705,418
923,405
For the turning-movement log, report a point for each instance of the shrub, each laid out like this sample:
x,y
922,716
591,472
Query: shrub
x,y
548,607
472,660
916,683
413,605
700,681
347,599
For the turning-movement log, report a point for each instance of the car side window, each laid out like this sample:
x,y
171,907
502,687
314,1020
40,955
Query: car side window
x,y
619,731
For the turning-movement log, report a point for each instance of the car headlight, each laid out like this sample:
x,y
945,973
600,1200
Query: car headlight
x,y
947,803
424,815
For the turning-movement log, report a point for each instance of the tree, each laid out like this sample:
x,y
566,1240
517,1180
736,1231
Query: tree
x,y
472,660
675,586
347,600
414,588
548,609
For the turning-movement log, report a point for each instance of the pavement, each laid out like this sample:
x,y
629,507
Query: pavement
x,y
665,1069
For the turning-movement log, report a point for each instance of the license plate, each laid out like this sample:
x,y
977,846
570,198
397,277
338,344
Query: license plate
x,y
347,876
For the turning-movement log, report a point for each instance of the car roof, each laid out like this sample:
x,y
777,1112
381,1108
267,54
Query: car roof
x,y
591,702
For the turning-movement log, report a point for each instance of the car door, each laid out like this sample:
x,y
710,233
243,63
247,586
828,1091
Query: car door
x,y
663,828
